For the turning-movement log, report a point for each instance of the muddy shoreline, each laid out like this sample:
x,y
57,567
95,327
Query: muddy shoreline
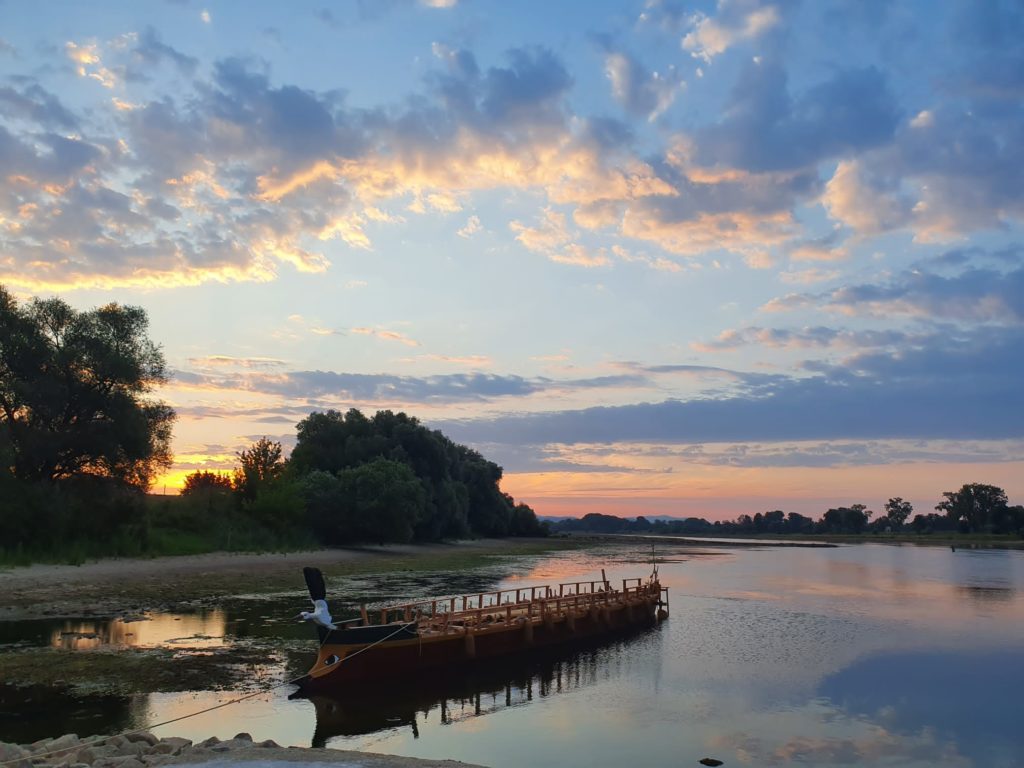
x,y
119,587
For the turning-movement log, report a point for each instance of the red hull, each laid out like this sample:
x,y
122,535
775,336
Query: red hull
x,y
387,657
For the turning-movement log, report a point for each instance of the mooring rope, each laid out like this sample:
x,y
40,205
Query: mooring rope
x,y
150,727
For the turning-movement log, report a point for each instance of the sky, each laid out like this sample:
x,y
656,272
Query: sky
x,y
660,258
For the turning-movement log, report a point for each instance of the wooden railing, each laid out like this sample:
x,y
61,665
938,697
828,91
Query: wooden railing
x,y
533,603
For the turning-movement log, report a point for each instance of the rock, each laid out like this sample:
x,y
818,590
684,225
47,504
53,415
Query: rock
x,y
145,736
14,756
61,746
11,752
172,745
132,749
268,744
242,737
206,743
88,755
114,741
710,761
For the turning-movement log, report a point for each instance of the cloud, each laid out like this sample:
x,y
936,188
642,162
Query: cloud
x,y
640,92
219,361
802,338
471,228
35,104
659,263
649,458
766,129
86,59
151,51
470,361
974,295
870,205
388,389
553,239
826,248
386,335
229,182
894,396
737,21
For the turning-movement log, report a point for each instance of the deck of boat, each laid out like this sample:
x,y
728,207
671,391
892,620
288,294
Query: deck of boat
x,y
453,630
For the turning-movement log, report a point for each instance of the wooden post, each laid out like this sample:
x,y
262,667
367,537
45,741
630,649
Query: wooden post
x,y
384,616
363,614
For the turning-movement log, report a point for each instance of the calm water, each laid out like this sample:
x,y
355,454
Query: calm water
x,y
858,655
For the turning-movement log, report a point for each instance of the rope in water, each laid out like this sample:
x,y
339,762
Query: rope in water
x,y
150,727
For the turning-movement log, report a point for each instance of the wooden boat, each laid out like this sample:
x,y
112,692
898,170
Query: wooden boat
x,y
455,631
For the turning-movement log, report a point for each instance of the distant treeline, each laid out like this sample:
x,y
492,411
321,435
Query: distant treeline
x,y
975,508
82,438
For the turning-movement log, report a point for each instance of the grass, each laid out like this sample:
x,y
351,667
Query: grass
x,y
127,671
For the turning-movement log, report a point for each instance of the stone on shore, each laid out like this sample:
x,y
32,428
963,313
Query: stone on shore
x,y
143,750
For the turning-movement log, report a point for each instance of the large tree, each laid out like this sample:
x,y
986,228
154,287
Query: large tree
x,y
75,393
975,507
898,510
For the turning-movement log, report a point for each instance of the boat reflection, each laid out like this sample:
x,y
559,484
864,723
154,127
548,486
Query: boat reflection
x,y
481,689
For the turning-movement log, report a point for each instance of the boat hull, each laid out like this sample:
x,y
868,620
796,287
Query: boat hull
x,y
398,649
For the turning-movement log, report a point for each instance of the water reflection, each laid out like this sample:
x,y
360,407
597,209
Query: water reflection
x,y
483,689
967,698
185,631
860,655
27,713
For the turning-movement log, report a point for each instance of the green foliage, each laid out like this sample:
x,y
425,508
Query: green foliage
x,y
457,495
73,393
261,463
385,501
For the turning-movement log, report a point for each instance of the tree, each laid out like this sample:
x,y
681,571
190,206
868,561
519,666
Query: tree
x,y
898,510
261,463
975,507
205,482
385,500
74,393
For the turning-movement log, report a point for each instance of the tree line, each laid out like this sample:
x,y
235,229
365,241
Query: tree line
x,y
353,478
82,439
975,508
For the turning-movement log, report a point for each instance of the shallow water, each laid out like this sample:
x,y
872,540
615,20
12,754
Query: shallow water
x,y
858,655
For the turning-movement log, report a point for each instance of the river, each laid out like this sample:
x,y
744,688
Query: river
x,y
855,655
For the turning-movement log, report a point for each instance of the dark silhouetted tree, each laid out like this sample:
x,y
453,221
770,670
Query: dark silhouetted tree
x,y
898,511
975,507
75,392
261,463
203,482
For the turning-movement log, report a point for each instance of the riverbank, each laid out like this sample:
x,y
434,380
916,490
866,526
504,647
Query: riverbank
x,y
136,585
142,749
137,626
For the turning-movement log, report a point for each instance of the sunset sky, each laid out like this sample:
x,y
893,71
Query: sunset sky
x,y
679,258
